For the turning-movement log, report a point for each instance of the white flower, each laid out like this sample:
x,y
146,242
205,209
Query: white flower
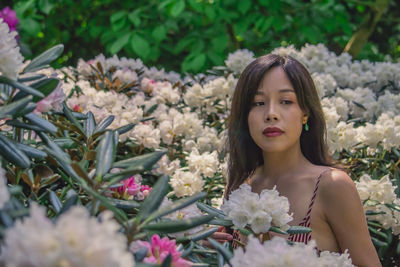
x,y
4,194
76,240
278,253
206,163
381,190
125,76
238,60
146,135
186,183
10,57
260,211
165,166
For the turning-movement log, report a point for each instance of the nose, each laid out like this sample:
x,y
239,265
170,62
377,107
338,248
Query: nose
x,y
271,113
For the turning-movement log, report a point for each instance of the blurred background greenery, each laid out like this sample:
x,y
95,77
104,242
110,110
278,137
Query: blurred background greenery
x,y
194,35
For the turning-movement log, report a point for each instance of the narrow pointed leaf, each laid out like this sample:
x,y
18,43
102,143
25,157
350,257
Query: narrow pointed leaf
x,y
64,142
105,154
69,202
40,122
278,230
31,78
20,124
55,201
44,59
221,249
104,124
54,149
146,161
125,129
174,226
45,86
211,210
126,205
12,153
198,236
188,250
12,108
154,199
221,222
298,230
31,151
177,205
167,261
21,86
71,118
90,124
25,110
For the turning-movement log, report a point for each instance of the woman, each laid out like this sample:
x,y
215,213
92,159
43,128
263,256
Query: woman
x,y
276,137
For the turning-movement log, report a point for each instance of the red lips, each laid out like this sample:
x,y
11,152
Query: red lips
x,y
272,130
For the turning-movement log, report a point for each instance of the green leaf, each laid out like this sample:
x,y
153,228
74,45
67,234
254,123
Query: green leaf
x,y
12,153
46,86
221,222
31,151
176,8
146,161
106,154
173,226
125,128
125,205
298,230
118,20
104,124
221,249
45,58
72,118
210,210
69,202
113,178
55,201
177,205
64,142
31,78
45,6
194,62
89,124
12,108
120,43
244,6
210,12
20,86
198,236
140,45
154,199
30,26
134,17
277,230
54,149
159,33
40,122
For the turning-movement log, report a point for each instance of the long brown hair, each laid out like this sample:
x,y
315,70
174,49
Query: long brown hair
x,y
244,155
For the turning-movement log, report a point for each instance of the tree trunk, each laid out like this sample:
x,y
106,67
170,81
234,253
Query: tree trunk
x,y
360,37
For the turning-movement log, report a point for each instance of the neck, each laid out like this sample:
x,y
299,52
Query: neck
x,y
280,164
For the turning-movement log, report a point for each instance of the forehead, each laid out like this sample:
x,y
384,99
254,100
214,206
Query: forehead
x,y
275,81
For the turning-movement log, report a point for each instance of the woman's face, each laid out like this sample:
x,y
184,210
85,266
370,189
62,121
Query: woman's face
x,y
275,105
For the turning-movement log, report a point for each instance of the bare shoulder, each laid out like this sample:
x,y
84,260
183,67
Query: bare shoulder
x,y
338,186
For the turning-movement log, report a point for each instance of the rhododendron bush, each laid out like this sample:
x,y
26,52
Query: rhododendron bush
x,y
114,163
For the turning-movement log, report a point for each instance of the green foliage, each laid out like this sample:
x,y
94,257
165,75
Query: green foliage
x,y
194,35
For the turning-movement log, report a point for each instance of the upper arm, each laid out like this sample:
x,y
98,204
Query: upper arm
x,y
345,214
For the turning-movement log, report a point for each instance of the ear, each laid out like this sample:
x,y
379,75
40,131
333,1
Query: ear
x,y
305,118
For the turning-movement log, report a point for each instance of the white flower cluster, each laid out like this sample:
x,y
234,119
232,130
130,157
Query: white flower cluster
x,y
4,194
205,164
260,211
190,211
76,240
186,183
376,195
277,252
238,60
10,57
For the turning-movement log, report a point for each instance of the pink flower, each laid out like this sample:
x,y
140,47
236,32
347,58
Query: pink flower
x,y
10,17
158,249
52,101
128,188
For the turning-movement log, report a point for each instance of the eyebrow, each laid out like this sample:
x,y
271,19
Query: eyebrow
x,y
280,91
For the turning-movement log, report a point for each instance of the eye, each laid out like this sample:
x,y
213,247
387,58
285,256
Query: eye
x,y
286,102
258,103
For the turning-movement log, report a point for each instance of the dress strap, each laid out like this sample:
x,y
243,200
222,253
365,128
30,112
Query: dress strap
x,y
306,220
